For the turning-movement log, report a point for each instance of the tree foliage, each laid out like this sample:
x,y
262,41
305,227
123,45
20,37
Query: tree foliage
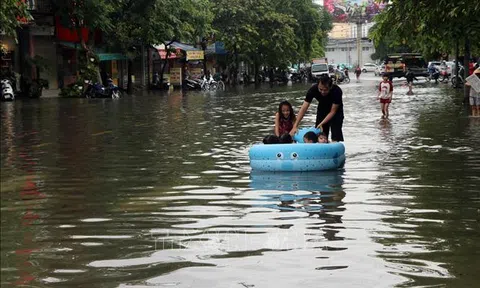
x,y
429,26
11,11
274,33
91,14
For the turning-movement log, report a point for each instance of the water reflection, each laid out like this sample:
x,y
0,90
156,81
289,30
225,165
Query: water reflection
x,y
156,190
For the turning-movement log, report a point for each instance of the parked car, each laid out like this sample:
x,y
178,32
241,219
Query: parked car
x,y
318,69
369,67
436,64
398,64
379,70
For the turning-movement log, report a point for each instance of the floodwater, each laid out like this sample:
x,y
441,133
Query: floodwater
x,y
156,191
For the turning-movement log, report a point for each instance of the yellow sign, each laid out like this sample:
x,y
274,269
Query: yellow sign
x,y
196,73
195,55
176,76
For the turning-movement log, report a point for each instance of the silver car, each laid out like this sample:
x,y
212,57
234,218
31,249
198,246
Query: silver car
x,y
369,67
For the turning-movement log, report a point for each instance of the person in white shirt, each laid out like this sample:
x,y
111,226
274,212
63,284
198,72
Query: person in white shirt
x,y
474,97
385,93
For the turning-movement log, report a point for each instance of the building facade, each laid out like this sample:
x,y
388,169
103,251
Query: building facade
x,y
344,51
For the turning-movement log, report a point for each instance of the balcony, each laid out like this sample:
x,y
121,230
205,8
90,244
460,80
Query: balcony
x,y
39,6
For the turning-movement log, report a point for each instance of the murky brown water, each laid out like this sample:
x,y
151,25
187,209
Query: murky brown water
x,y
156,191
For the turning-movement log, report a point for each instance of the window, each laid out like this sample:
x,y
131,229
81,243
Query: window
x,y
365,48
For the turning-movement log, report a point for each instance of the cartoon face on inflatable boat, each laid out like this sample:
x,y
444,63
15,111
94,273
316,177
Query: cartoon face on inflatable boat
x,y
296,157
292,156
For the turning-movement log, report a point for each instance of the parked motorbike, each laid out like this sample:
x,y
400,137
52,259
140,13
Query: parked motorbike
x,y
444,76
193,84
433,76
7,90
298,77
97,90
461,81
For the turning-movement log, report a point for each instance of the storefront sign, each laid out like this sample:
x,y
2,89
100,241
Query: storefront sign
x,y
174,55
195,55
176,76
196,72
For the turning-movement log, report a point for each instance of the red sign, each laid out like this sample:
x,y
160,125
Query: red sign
x,y
163,54
71,35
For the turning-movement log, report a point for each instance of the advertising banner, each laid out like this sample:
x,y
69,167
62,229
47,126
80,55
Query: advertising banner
x,y
353,10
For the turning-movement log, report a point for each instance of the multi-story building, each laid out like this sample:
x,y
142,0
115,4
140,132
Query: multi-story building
x,y
341,31
344,51
35,38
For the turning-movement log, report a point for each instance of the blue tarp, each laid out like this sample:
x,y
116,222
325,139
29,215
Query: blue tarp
x,y
184,47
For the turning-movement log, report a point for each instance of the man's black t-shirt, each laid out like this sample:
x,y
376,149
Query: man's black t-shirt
x,y
325,102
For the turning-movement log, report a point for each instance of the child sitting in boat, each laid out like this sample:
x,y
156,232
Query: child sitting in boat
x,y
310,137
284,118
322,138
271,139
286,138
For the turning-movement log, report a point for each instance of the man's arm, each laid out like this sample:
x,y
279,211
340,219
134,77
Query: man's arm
x,y
300,115
329,116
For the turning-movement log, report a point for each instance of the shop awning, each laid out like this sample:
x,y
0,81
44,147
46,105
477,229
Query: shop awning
x,y
111,56
102,56
184,47
163,53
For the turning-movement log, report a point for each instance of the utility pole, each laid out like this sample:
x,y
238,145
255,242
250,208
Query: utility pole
x,y
359,42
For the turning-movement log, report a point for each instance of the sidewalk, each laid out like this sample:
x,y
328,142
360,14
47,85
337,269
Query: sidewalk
x,y
50,93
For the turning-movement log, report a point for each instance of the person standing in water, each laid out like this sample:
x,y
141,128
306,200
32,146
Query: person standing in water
x,y
385,93
329,109
358,71
410,77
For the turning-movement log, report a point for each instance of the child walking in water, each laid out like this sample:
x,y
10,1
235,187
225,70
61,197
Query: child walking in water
x,y
284,118
385,93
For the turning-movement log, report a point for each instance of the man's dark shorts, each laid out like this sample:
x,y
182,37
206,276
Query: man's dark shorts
x,y
336,127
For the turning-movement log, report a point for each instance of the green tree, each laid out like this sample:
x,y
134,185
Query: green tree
x,y
179,20
94,15
234,23
386,44
273,33
11,11
132,29
91,14
431,26
275,41
311,27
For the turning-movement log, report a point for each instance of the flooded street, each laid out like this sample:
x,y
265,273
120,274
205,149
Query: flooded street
x,y
156,191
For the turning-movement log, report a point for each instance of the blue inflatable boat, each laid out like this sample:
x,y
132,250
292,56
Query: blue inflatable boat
x,y
297,156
